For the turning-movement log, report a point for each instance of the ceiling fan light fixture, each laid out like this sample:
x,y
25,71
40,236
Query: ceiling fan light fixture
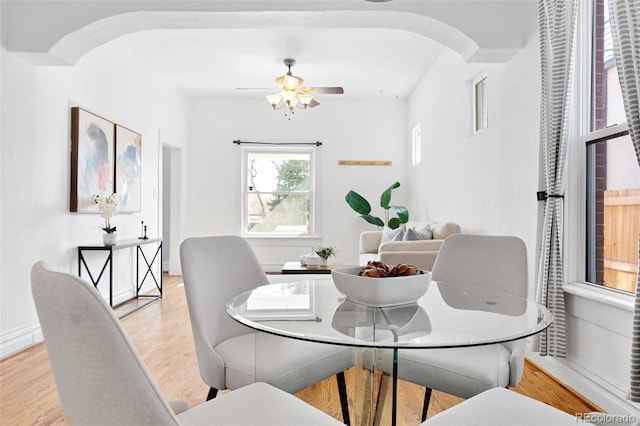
x,y
289,82
292,94
305,99
274,100
288,95
292,104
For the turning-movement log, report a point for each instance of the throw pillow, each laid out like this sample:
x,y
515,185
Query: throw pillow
x,y
389,234
418,234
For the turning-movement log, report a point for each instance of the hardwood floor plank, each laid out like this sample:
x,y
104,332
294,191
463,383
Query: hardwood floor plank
x,y
161,332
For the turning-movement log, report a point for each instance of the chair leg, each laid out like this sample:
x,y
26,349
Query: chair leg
x,y
425,404
344,402
212,393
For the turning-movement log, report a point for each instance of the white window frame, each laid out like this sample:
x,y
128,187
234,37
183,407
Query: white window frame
x,y
416,145
575,237
480,106
314,189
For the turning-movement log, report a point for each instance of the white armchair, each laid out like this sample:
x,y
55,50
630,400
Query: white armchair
x,y
421,253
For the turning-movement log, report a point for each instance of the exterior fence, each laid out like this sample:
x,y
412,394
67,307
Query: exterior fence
x,y
621,231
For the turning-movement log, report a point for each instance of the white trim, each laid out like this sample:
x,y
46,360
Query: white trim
x,y
416,145
601,294
19,339
171,243
315,228
605,133
481,78
607,396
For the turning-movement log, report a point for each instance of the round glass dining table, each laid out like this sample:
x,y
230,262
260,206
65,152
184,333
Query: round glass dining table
x,y
448,315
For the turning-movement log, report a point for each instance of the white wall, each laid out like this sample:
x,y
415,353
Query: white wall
x,y
348,129
35,219
485,181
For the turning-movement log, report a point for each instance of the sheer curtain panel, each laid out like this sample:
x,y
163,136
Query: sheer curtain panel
x,y
557,31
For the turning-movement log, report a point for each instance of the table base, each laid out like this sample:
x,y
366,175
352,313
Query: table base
x,y
375,382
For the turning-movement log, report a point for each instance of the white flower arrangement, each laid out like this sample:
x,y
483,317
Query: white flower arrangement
x,y
108,207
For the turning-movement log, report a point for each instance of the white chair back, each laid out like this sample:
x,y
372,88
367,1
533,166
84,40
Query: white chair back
x,y
494,262
99,376
215,269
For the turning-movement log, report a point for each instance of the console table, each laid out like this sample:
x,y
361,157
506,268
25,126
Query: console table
x,y
147,268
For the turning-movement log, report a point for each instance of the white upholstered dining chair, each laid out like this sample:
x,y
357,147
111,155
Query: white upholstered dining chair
x,y
491,262
504,407
214,270
102,380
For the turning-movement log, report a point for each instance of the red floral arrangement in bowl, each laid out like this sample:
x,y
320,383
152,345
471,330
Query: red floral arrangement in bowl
x,y
379,285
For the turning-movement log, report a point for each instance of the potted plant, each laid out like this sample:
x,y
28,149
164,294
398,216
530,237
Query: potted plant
x,y
325,253
361,206
108,207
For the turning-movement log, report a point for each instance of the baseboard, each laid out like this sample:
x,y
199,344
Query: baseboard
x,y
25,337
604,394
272,268
19,339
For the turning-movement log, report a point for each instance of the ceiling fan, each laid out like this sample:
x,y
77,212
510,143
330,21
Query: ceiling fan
x,y
292,94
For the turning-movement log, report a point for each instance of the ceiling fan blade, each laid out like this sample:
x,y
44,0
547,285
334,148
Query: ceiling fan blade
x,y
326,90
313,103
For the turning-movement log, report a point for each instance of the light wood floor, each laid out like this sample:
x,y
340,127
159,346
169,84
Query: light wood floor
x,y
162,334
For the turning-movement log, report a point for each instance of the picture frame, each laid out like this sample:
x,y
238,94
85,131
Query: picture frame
x,y
92,159
480,104
128,169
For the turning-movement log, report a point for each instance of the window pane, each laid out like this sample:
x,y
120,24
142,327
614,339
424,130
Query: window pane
x,y
278,213
278,171
613,213
607,105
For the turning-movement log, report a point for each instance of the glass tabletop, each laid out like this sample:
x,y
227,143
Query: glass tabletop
x,y
448,315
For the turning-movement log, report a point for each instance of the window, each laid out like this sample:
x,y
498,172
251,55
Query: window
x,y
612,171
480,108
416,146
279,192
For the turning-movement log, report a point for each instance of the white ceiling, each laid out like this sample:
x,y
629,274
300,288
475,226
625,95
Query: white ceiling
x,y
365,62
213,47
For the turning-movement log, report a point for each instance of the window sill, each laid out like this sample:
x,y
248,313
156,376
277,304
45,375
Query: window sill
x,y
609,297
280,237
290,240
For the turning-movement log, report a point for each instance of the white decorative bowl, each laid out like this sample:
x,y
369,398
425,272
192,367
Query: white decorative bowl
x,y
379,292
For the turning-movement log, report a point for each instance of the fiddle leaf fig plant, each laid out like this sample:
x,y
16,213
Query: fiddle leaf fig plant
x,y
361,206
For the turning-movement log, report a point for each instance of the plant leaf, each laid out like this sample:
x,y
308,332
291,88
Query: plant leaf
x,y
402,212
373,220
394,222
385,198
358,203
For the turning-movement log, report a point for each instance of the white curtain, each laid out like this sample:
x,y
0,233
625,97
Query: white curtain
x,y
625,26
557,33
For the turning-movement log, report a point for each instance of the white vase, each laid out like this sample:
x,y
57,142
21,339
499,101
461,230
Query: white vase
x,y
109,239
323,262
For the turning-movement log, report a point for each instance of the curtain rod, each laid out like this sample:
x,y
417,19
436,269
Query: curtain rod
x,y
239,142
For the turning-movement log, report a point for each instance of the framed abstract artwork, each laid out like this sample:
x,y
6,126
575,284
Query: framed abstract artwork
x,y
92,159
128,168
